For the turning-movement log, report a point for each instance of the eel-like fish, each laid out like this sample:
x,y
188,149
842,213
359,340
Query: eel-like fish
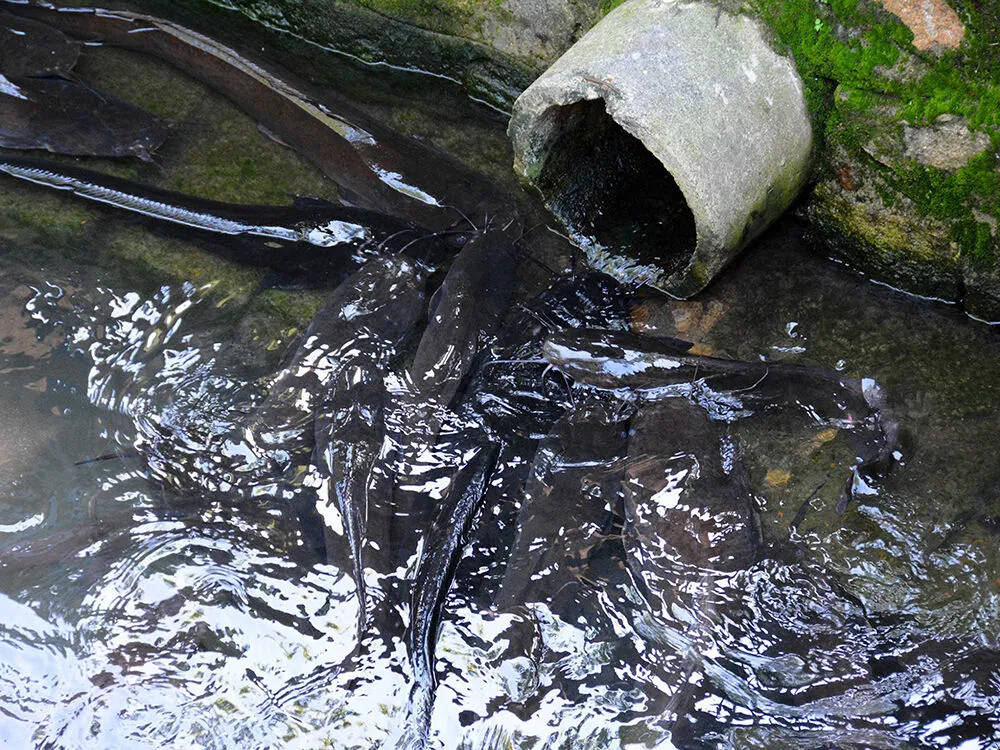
x,y
430,442
273,236
566,561
433,578
378,167
357,330
33,49
510,391
464,316
464,313
616,360
688,504
67,117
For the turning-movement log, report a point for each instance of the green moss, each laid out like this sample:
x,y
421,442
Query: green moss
x,y
950,197
159,257
849,45
30,215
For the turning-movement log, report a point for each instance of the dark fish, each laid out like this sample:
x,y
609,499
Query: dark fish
x,y
280,237
429,442
435,447
611,361
689,511
511,391
33,49
66,117
570,501
434,575
345,350
335,388
466,310
605,360
382,170
390,504
464,314
690,522
566,562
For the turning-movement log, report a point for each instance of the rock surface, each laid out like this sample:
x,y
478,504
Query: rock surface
x,y
948,144
890,197
935,25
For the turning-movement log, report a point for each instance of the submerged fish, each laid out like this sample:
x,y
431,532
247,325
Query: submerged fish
x,y
464,314
689,511
30,48
568,509
691,522
275,236
382,170
616,361
345,349
432,579
510,391
66,117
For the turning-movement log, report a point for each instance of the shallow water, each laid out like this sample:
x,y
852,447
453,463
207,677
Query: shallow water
x,y
155,600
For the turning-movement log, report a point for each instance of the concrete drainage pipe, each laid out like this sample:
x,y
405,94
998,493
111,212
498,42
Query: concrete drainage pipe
x,y
666,139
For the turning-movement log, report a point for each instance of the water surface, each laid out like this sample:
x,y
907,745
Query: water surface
x,y
141,608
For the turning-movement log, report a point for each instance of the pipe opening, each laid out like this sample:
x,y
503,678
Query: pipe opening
x,y
606,186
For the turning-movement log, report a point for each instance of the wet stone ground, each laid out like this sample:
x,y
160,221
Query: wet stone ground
x,y
131,615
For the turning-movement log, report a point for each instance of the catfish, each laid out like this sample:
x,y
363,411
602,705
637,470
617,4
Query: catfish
x,y
309,234
66,117
32,49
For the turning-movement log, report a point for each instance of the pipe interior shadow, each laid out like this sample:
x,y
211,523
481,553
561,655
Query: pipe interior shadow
x,y
603,183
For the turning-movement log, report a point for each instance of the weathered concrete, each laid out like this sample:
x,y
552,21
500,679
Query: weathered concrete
x,y
706,95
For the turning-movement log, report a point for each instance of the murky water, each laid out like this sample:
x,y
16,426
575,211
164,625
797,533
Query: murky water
x,y
634,574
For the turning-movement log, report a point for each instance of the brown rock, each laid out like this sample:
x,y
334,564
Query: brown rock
x,y
935,26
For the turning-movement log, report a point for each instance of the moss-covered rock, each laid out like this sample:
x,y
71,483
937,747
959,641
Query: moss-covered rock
x,y
494,48
907,187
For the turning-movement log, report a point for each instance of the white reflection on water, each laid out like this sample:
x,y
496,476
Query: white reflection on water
x,y
135,615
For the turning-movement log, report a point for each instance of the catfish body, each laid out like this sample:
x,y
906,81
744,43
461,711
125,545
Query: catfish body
x,y
307,233
382,170
689,511
568,508
733,389
464,314
31,49
66,117
356,330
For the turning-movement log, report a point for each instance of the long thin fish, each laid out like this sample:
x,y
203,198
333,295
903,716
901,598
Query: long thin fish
x,y
274,236
688,504
464,314
567,510
432,580
377,166
619,360
361,322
